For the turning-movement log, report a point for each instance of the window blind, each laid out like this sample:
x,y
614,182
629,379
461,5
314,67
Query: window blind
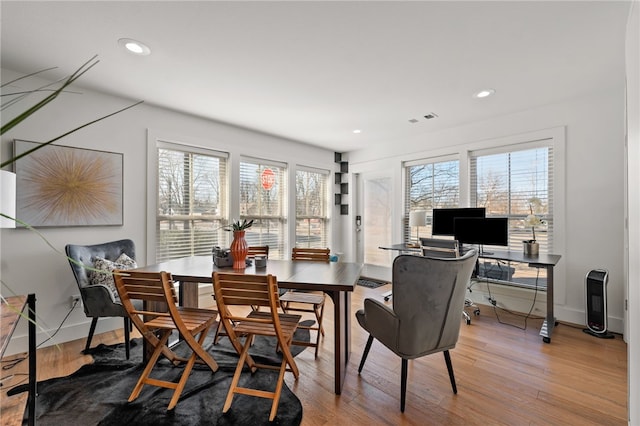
x,y
514,182
312,221
192,192
263,189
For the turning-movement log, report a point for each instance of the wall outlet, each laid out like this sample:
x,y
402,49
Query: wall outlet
x,y
76,301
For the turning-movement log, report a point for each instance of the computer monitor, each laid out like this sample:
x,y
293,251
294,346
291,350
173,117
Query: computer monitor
x,y
443,224
492,231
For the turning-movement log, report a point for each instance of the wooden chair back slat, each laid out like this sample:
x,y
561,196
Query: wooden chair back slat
x,y
258,251
312,254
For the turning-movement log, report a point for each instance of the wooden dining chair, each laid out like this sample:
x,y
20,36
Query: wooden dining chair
x,y
255,290
310,301
162,315
258,251
251,251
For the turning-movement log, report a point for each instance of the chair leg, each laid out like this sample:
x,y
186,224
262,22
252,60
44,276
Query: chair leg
x,y
365,353
127,343
403,384
447,359
92,329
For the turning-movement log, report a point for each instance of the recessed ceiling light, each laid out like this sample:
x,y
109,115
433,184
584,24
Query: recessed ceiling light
x,y
357,131
484,93
134,46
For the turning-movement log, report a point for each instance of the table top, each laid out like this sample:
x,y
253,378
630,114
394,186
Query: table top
x,y
9,315
545,259
299,274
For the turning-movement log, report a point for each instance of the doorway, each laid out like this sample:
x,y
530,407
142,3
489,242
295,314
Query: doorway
x,y
375,229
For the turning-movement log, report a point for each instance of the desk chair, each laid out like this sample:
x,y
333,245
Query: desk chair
x,y
157,288
428,295
255,290
441,248
291,300
436,247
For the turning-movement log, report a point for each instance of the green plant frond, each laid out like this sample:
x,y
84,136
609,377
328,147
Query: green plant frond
x,y
23,94
24,154
8,83
241,226
69,80
6,305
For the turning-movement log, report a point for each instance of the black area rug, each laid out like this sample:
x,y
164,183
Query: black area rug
x,y
97,393
371,283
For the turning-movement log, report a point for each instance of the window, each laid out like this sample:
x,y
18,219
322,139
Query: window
x,y
191,202
263,198
312,221
514,182
430,185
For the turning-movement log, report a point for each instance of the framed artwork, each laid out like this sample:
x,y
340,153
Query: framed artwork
x,y
65,186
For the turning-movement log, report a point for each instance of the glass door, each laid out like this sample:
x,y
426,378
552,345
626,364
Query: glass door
x,y
375,198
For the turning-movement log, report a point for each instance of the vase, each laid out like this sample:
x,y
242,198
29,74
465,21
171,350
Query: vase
x,y
239,250
531,248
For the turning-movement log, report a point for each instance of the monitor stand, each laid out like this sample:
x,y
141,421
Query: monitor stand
x,y
482,252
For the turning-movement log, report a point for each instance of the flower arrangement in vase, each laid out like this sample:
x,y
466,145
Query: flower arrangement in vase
x,y
239,247
531,246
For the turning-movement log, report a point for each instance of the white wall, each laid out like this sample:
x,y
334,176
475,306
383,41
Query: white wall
x,y
28,265
633,204
594,195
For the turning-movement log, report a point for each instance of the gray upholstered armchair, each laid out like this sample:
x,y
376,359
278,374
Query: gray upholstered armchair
x,y
98,299
428,296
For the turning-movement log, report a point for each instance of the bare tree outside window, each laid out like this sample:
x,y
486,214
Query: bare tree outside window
x,y
431,185
311,209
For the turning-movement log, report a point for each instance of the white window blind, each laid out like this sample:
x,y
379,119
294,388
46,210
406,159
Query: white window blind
x,y
514,182
429,185
192,194
263,189
312,221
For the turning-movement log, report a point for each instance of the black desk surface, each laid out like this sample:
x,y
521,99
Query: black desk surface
x,y
544,259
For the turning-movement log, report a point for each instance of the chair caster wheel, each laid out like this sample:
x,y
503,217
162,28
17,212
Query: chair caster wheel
x,y
476,312
386,299
546,339
468,321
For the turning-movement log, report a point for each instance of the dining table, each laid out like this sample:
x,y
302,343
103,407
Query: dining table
x,y
336,279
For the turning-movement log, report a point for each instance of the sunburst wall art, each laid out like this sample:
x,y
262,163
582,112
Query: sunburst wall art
x,y
65,186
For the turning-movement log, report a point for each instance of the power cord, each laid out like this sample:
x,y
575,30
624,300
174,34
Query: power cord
x,y
517,314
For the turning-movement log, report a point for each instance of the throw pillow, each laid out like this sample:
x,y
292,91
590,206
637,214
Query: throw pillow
x,y
105,277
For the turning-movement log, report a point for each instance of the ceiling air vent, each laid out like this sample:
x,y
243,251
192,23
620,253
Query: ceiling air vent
x,y
413,120
430,115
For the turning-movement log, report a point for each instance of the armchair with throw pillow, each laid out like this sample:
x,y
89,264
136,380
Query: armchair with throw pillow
x,y
97,289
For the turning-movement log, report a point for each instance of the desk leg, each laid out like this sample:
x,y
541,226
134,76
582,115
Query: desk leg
x,y
550,321
342,336
31,399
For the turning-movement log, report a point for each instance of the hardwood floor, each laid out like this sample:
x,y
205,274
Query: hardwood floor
x,y
505,376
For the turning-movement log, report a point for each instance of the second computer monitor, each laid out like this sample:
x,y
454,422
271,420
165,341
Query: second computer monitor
x,y
492,231
443,219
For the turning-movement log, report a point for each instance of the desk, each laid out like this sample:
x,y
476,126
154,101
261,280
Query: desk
x,y
337,279
10,313
547,261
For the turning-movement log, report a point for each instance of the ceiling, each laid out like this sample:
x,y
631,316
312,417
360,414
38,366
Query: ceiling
x,y
315,71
